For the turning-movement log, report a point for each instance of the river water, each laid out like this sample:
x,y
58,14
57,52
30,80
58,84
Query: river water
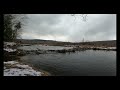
x,y
83,63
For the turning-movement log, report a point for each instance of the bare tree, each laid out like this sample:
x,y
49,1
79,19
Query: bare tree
x,y
84,16
13,25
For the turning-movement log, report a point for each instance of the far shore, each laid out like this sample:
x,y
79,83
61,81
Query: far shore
x,y
66,49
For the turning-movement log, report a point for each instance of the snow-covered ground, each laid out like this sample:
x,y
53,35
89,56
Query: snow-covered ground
x,y
9,43
11,62
107,48
43,47
9,49
13,68
112,47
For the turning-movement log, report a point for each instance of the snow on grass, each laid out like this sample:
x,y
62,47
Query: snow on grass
x,y
9,50
10,43
43,47
24,66
107,48
112,47
19,70
11,62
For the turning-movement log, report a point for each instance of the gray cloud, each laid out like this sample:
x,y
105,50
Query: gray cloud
x,y
64,27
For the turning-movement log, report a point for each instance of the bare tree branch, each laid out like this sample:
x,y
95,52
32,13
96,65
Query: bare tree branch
x,y
84,16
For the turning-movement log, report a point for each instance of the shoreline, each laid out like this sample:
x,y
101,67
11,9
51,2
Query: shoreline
x,y
17,53
43,72
16,68
72,50
13,66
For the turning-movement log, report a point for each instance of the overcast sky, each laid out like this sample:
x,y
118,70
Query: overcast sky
x,y
64,27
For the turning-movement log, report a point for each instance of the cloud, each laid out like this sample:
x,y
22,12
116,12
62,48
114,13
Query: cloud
x,y
64,27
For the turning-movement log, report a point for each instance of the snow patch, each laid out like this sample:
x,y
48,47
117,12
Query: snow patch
x,y
11,62
19,70
112,47
10,43
9,50
24,66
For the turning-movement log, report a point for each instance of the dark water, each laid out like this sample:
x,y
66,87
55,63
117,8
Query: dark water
x,y
84,63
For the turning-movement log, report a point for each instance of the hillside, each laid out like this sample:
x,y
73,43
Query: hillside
x,y
110,43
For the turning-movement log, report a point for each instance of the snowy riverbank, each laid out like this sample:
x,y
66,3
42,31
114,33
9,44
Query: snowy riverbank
x,y
12,66
15,68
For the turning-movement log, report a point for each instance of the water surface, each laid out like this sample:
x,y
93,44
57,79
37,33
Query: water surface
x,y
84,63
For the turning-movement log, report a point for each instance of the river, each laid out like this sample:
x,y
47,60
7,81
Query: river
x,y
80,63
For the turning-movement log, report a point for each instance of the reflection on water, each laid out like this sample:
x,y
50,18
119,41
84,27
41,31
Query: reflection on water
x,y
84,63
